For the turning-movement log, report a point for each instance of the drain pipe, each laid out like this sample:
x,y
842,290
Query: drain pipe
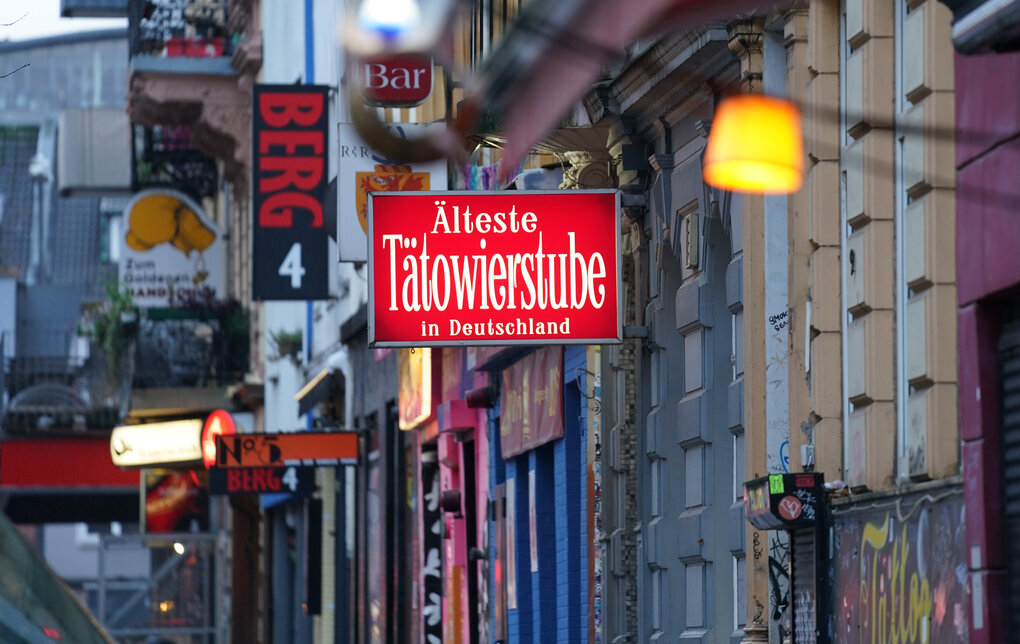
x,y
40,169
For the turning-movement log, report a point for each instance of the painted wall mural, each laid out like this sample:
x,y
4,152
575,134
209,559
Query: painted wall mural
x,y
900,574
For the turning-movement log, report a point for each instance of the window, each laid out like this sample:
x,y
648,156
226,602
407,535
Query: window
x,y
740,591
657,484
656,583
737,344
738,466
695,592
694,458
692,361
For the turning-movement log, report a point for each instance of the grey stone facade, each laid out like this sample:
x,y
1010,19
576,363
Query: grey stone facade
x,y
619,479
673,394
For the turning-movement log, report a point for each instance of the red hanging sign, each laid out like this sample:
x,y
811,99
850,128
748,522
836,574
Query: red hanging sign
x,y
497,268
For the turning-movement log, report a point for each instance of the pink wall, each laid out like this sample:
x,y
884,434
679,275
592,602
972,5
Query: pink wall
x,y
456,562
988,168
988,268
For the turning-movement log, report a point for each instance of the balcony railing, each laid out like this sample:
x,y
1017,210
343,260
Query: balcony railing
x,y
191,347
164,156
55,380
159,584
178,28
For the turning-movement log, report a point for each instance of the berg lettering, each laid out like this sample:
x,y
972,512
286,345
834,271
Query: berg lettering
x,y
291,160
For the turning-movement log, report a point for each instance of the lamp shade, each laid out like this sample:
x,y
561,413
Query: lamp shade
x,y
755,146
384,27
390,18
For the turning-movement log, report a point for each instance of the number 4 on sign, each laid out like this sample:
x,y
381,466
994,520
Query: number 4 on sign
x,y
291,266
290,478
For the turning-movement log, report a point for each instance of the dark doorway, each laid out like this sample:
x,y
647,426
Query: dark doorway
x,y
471,526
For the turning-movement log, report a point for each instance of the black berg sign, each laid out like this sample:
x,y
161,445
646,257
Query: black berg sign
x,y
290,178
294,480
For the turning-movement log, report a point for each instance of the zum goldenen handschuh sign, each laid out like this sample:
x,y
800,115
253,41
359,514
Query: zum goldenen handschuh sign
x,y
480,268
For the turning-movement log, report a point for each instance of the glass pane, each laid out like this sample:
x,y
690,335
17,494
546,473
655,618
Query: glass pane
x,y
695,595
694,485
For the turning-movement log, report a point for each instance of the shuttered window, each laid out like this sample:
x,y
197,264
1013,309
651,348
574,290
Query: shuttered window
x,y
803,589
1009,364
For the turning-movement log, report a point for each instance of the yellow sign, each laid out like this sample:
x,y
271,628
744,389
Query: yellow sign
x,y
172,251
177,442
414,368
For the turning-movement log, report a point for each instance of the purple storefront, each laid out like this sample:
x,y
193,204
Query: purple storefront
x,y
988,277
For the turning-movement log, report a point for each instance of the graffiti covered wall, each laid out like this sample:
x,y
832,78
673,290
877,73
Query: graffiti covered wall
x,y
899,570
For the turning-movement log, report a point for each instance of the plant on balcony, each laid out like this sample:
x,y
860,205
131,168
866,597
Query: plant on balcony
x,y
110,324
285,344
231,334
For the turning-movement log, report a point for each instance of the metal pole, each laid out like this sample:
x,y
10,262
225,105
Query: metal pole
x,y
102,583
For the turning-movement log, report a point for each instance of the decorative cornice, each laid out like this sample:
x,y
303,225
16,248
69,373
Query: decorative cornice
x,y
746,40
247,61
588,170
671,73
796,28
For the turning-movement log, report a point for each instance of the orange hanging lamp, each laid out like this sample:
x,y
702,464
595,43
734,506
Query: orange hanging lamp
x,y
755,146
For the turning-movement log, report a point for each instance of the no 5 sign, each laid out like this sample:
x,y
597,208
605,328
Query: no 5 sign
x,y
290,177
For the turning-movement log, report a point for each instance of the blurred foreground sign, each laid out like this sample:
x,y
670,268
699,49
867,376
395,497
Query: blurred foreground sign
x,y
399,80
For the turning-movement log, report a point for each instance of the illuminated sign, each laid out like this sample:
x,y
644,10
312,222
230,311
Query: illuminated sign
x,y
298,481
173,443
219,423
399,80
414,400
280,450
477,268
175,501
289,163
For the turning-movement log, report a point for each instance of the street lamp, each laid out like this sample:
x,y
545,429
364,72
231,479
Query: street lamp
x,y
755,146
389,18
375,27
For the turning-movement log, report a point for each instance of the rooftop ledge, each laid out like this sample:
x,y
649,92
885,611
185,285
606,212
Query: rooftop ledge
x,y
184,65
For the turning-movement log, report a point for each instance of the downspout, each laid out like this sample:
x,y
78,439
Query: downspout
x,y
40,169
309,79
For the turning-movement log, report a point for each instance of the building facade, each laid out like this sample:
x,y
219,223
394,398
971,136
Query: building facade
x,y
810,332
